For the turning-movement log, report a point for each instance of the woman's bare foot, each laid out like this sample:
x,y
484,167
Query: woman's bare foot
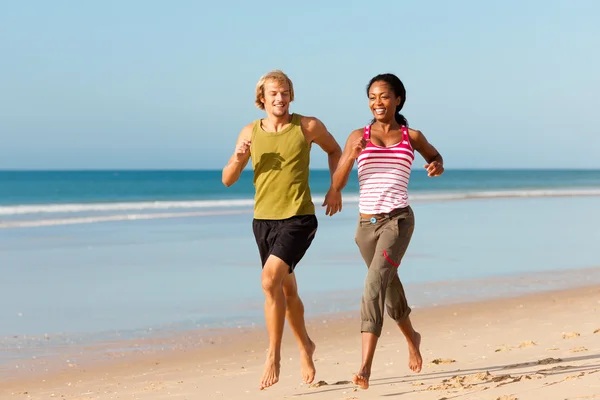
x,y
415,361
362,379
271,374
307,366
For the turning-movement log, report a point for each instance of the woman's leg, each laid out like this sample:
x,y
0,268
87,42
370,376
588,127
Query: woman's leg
x,y
398,309
366,239
379,242
396,304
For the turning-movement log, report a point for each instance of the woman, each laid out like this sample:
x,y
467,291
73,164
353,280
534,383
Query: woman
x,y
384,151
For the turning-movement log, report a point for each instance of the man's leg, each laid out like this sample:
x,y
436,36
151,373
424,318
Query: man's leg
x,y
273,275
295,317
293,239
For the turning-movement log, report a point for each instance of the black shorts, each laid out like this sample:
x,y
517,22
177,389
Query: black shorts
x,y
287,239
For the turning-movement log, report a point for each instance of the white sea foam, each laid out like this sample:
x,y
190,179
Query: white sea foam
x,y
215,207
111,218
128,206
168,205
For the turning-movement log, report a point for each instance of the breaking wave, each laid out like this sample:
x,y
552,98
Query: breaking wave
x,y
177,209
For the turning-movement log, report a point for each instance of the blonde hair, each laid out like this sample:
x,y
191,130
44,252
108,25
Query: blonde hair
x,y
277,76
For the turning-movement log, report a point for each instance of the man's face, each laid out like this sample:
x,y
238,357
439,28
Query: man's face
x,y
276,98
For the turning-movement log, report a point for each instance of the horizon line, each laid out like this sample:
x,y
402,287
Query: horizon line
x,y
310,169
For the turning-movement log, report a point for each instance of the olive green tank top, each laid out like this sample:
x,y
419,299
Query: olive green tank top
x,y
280,161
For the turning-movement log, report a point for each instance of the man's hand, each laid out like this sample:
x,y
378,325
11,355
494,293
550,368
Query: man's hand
x,y
240,157
242,150
333,201
434,168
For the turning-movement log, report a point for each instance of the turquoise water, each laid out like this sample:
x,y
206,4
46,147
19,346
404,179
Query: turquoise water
x,y
73,187
87,256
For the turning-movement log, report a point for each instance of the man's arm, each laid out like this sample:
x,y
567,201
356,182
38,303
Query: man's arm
x,y
435,162
316,132
239,158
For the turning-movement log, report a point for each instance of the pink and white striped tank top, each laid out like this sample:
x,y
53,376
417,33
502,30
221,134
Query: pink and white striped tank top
x,y
383,174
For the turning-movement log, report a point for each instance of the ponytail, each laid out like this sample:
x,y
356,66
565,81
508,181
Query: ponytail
x,y
400,119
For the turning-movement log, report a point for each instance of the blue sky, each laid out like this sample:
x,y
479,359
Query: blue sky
x,y
149,84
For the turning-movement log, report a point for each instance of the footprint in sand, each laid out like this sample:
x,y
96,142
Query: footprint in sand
x,y
544,361
439,361
578,349
323,383
463,381
466,382
507,379
528,343
449,385
571,335
504,378
522,345
597,330
554,369
568,378
517,365
576,376
549,360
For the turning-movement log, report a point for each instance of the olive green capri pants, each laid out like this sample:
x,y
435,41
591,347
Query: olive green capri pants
x,y
382,241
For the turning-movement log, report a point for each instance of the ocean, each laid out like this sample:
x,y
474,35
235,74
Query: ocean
x,y
91,256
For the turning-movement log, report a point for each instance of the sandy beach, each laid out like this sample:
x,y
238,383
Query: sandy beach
x,y
541,346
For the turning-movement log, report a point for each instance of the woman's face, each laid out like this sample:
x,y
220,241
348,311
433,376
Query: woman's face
x,y
383,101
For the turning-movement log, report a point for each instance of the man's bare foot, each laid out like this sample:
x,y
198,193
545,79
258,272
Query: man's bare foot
x,y
307,366
361,379
415,361
271,374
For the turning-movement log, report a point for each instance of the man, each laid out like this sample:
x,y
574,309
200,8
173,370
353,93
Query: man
x,y
284,221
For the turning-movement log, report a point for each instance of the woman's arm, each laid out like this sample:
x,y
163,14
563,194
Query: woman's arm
x,y
354,145
435,162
